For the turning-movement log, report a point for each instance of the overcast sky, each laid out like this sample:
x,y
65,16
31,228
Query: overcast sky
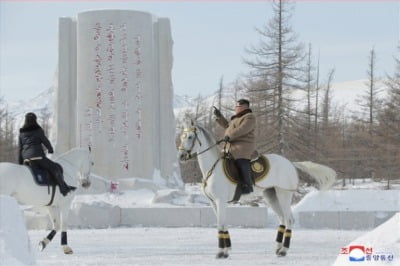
x,y
209,39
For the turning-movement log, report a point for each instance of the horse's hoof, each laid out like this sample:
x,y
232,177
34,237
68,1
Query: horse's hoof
x,y
279,246
281,252
42,245
67,250
222,255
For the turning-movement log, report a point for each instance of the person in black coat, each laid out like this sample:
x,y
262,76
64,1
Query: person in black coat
x,y
31,139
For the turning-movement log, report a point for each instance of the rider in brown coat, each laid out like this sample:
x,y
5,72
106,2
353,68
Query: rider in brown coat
x,y
240,135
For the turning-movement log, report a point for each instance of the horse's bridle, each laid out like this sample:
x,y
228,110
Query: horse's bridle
x,y
84,183
189,154
196,137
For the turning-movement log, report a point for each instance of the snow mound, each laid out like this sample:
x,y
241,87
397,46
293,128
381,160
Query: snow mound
x,y
15,245
380,246
347,209
350,200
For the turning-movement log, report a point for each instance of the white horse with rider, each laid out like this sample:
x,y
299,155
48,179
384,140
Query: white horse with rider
x,y
277,186
17,181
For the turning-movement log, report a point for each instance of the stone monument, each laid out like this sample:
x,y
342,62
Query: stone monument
x,y
115,93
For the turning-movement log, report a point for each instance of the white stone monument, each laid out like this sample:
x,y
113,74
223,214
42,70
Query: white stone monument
x,y
115,92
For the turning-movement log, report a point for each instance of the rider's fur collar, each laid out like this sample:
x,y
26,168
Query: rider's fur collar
x,y
242,113
28,129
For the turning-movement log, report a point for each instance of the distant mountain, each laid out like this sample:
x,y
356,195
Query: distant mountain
x,y
40,104
344,96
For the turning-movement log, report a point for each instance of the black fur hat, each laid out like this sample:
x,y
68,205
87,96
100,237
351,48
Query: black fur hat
x,y
243,101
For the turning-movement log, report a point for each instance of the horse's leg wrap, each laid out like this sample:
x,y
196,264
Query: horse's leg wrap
x,y
64,240
279,238
224,244
282,251
288,235
279,234
227,240
46,240
221,239
51,235
64,243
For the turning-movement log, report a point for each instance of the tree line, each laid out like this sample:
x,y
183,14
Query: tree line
x,y
9,130
8,145
311,127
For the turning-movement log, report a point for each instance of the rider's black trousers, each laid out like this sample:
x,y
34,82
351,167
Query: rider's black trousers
x,y
54,169
244,168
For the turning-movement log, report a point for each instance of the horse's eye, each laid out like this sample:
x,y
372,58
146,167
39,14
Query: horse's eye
x,y
190,137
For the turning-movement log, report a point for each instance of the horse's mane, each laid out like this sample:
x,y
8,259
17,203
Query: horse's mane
x,y
65,154
207,134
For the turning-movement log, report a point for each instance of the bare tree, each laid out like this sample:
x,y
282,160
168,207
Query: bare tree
x,y
369,100
310,88
44,116
326,104
8,139
220,92
389,126
277,60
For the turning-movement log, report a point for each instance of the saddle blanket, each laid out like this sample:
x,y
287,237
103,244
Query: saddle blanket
x,y
259,169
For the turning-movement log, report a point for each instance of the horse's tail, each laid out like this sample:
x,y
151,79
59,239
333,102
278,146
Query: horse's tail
x,y
324,175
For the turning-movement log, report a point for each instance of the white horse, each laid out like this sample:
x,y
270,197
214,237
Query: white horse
x,y
277,187
17,181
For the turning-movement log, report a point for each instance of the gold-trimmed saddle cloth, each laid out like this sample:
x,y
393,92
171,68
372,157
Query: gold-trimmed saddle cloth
x,y
259,168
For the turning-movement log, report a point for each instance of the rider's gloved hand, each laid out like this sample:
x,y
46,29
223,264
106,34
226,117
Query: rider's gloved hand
x,y
227,139
217,112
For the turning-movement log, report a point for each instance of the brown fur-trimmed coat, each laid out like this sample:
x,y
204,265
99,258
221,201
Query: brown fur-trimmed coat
x,y
241,132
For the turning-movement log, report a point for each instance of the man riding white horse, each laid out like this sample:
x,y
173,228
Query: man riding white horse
x,y
31,151
240,138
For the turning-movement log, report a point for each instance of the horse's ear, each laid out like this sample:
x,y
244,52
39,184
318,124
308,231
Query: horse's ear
x,y
188,120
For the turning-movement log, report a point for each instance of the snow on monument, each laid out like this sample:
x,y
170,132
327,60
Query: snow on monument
x,y
115,92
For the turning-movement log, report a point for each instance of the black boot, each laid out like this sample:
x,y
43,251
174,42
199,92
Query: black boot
x,y
245,173
246,189
64,188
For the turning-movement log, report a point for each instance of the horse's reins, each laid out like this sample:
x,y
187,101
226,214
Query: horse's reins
x,y
191,156
194,155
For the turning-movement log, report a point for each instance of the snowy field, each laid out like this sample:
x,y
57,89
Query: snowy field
x,y
191,246
158,245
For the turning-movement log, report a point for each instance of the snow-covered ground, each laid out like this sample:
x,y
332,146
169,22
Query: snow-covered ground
x,y
197,246
191,246
144,245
